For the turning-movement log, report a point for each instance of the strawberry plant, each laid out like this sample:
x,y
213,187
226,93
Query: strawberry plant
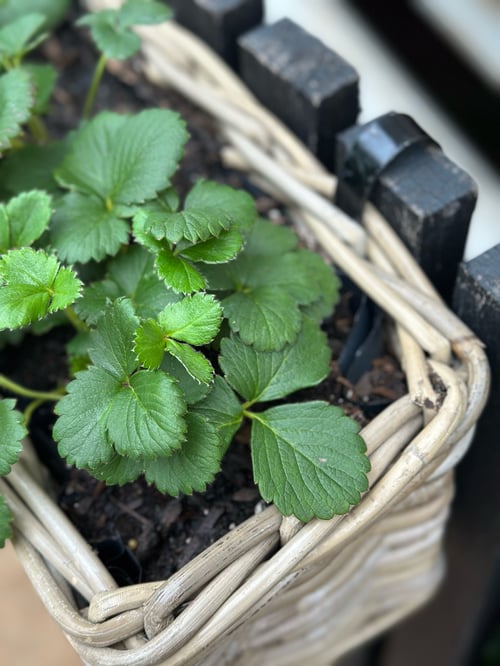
x,y
190,317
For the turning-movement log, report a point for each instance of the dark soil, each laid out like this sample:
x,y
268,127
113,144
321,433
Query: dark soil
x,y
139,533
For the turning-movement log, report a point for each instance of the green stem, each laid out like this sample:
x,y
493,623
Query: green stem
x,y
96,79
75,320
38,129
11,386
28,412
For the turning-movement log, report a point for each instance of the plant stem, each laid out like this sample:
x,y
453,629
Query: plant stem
x,y
28,412
75,320
96,79
38,129
11,386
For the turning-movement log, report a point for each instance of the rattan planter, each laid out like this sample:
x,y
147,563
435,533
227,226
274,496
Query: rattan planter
x,y
330,585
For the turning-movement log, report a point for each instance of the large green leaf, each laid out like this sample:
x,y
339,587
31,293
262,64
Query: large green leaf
x,y
265,317
146,418
112,342
308,459
260,376
82,229
125,159
53,10
20,36
32,285
178,273
193,466
24,219
31,167
195,319
81,426
13,431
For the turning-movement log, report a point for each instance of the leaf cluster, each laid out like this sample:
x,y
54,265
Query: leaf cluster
x,y
192,315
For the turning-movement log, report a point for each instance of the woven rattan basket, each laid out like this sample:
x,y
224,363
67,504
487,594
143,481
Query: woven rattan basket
x,y
274,591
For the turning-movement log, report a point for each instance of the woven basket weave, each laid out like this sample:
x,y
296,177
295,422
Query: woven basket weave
x,y
274,591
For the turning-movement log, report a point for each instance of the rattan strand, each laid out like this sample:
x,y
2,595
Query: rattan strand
x,y
331,584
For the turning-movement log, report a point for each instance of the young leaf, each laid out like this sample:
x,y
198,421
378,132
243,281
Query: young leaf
x,y
193,466
262,376
265,317
32,285
222,409
146,418
178,273
195,319
5,521
197,365
16,102
24,219
150,344
192,390
13,431
20,36
110,28
308,459
82,229
124,159
113,40
81,426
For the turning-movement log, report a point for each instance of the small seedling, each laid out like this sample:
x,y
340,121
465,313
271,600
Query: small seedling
x,y
199,316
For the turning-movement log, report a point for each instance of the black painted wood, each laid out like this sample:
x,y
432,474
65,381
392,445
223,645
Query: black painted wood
x,y
427,198
219,22
307,85
451,630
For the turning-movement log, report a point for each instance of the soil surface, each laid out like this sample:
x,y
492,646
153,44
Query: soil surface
x,y
139,533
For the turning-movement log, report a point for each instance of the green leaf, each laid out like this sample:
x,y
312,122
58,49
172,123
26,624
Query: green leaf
x,y
115,41
118,471
150,344
146,418
193,466
197,365
53,10
44,79
143,12
18,37
31,167
308,459
262,376
209,209
268,239
82,229
13,432
222,409
179,274
134,274
32,285
112,342
216,250
81,426
110,28
6,518
95,300
195,319
265,317
125,159
24,219
16,102
192,390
